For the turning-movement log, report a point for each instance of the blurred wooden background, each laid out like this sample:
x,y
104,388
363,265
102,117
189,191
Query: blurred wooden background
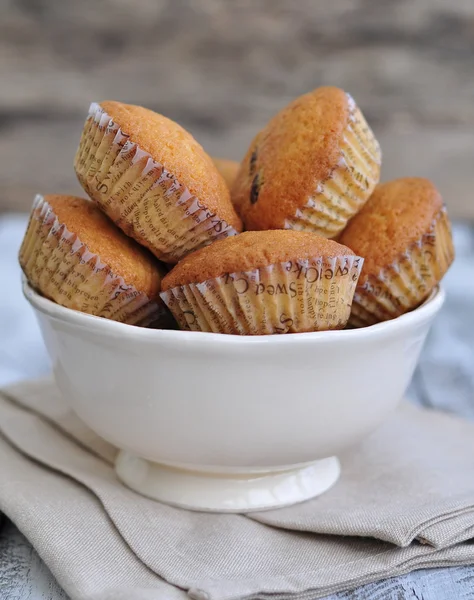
x,y
223,67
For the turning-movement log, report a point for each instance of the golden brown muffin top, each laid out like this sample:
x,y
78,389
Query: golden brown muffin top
x,y
248,251
298,148
228,169
122,254
177,150
397,214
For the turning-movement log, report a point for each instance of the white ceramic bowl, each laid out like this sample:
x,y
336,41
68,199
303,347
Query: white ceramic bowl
x,y
224,422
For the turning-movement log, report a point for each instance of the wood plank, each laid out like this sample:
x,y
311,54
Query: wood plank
x,y
222,69
23,575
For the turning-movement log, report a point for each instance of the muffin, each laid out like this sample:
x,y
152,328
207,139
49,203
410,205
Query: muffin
x,y
311,168
74,255
228,169
154,180
264,282
404,235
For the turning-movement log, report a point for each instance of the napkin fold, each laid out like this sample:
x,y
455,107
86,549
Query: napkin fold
x,y
405,501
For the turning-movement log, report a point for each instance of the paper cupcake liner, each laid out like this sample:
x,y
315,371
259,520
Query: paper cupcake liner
x,y
409,281
296,296
144,199
61,267
340,197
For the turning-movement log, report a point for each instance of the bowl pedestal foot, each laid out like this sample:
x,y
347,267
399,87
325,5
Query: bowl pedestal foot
x,y
233,491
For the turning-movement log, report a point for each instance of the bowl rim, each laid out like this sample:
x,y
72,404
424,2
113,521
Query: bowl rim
x,y
104,326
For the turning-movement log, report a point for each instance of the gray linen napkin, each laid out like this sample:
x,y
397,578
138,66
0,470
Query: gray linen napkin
x,y
411,480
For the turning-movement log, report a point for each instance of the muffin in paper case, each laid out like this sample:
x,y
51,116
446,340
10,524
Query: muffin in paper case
x,y
408,281
404,234
295,295
63,268
153,180
311,168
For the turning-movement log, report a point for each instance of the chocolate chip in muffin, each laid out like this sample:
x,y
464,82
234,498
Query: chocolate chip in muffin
x,y
253,161
255,188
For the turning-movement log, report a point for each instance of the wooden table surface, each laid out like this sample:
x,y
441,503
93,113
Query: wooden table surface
x,y
444,379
